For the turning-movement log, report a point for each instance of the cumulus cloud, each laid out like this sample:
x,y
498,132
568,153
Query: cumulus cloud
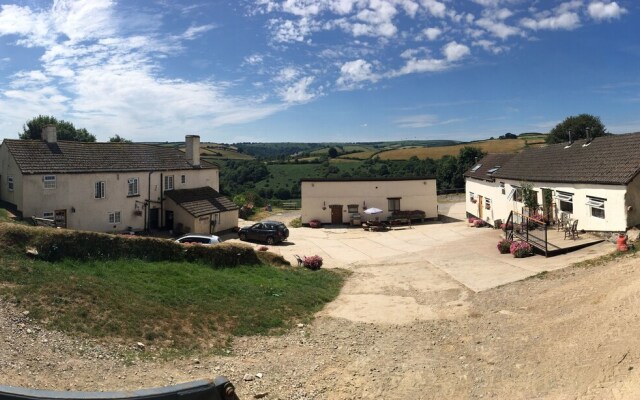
x,y
599,10
299,92
567,21
497,28
354,72
454,51
432,33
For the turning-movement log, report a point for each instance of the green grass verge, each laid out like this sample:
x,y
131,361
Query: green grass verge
x,y
175,305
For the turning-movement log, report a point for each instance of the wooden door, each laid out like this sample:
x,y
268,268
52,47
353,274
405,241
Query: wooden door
x,y
480,206
60,218
336,214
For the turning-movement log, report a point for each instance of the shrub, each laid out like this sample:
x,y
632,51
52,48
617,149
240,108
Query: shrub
x,y
506,227
263,248
471,220
521,249
313,262
504,246
296,222
314,223
478,223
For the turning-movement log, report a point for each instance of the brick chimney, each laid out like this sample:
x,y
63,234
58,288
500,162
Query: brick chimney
x,y
49,134
192,149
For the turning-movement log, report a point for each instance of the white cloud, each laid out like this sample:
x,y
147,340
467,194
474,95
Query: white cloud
x,y
567,21
195,31
432,33
287,74
354,72
490,46
420,65
503,13
454,51
254,59
497,28
599,10
416,121
435,8
298,92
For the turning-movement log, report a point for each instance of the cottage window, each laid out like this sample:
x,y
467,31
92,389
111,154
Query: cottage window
x,y
394,204
100,190
515,194
47,215
132,185
352,208
183,179
487,203
596,204
471,196
502,187
168,182
10,183
566,201
114,217
49,181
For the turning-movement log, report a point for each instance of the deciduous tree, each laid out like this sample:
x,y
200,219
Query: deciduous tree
x,y
578,126
65,130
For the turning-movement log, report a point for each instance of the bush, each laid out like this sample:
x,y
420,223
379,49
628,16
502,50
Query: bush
x,y
506,227
59,244
314,223
263,248
521,249
504,246
296,222
478,223
312,262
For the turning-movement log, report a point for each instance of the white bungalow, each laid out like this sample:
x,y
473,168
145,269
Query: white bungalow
x,y
594,181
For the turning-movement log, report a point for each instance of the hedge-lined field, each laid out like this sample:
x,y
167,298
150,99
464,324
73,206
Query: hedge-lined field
x,y
155,291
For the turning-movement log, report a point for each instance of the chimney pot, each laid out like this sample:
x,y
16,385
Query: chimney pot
x,y
192,149
49,134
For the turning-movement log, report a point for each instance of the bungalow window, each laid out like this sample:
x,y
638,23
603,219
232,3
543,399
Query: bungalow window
x,y
183,179
502,187
596,204
352,208
47,215
566,201
132,185
487,204
10,183
515,194
49,181
394,204
114,217
472,197
168,182
100,186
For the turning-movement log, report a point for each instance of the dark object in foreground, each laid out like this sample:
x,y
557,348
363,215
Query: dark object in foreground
x,y
271,232
218,389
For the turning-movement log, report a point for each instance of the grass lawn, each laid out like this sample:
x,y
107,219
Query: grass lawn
x,y
174,305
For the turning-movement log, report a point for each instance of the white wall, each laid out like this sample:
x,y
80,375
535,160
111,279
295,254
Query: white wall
x,y
615,208
414,194
8,167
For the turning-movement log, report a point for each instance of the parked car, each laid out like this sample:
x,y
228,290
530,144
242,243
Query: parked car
x,y
271,232
206,240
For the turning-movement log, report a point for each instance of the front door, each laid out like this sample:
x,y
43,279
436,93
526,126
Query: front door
x,y
168,220
336,214
60,218
154,218
480,206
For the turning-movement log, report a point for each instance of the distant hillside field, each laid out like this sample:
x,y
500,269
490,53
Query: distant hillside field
x,y
489,146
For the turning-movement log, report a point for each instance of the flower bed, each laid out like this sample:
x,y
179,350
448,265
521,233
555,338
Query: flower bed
x,y
312,262
504,246
521,249
314,223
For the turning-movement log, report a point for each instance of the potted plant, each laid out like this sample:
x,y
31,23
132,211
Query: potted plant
x,y
521,249
312,262
314,223
504,246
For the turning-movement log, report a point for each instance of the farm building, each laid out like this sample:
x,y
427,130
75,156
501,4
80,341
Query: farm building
x,y
593,181
341,201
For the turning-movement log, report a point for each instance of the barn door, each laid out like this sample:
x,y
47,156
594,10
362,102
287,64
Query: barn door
x,y
336,214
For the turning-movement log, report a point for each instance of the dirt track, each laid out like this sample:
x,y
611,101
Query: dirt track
x,y
573,334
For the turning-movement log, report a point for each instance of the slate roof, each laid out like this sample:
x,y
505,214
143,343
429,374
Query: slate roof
x,y
201,201
612,160
39,157
419,178
488,162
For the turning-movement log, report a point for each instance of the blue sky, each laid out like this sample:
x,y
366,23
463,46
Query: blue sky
x,y
319,70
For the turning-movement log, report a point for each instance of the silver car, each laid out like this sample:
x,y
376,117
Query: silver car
x,y
206,240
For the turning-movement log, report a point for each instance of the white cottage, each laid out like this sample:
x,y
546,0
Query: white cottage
x,y
594,181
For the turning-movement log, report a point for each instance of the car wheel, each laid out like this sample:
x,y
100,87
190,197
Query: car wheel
x,y
270,241
243,236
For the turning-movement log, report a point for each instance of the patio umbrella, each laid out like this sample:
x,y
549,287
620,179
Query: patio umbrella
x,y
372,211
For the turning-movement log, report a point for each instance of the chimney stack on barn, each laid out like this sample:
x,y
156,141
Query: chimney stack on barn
x,y
49,134
192,144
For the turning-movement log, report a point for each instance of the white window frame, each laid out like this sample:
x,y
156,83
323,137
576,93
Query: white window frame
x,y
10,183
49,181
100,189
114,217
471,196
393,201
476,167
565,197
502,188
48,215
168,182
487,203
133,188
596,203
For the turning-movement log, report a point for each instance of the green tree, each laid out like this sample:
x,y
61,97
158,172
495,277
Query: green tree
x,y
333,152
578,126
65,130
118,139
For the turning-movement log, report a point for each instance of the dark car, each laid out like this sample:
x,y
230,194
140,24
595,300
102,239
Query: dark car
x,y
271,232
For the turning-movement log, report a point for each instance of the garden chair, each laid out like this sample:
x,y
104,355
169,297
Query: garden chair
x,y
571,230
563,221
